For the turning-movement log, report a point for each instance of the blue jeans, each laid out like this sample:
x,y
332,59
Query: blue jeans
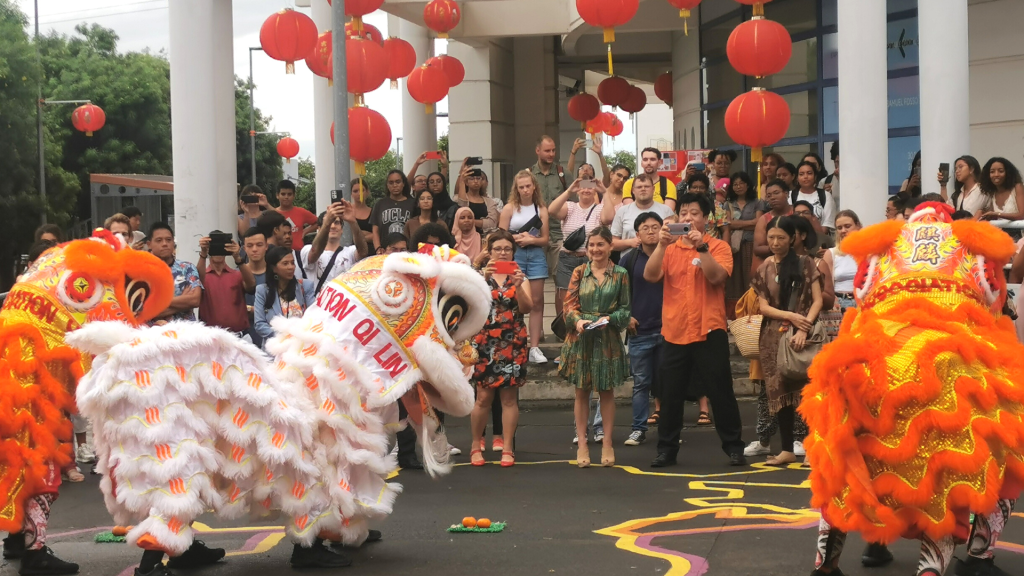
x,y
644,356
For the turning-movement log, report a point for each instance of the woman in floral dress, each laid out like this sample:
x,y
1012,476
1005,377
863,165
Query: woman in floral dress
x,y
594,358
502,345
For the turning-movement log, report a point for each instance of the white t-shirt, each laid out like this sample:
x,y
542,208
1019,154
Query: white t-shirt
x,y
342,263
827,213
622,224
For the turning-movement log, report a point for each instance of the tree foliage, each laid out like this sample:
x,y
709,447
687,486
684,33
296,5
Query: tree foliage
x,y
624,157
305,188
377,175
268,163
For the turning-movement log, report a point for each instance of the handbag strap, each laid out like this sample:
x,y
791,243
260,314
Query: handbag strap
x,y
327,271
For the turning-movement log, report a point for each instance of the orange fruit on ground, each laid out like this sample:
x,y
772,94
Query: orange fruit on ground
x,y
483,523
469,522
120,530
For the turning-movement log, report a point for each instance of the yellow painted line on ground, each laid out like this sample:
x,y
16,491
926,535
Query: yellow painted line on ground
x,y
269,542
200,527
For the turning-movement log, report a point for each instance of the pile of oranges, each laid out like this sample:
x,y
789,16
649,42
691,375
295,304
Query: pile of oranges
x,y
470,522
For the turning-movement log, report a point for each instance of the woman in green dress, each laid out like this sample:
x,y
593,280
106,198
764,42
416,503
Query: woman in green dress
x,y
593,358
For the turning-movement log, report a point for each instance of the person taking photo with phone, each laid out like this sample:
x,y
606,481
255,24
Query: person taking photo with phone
x,y
223,301
694,268
470,192
501,346
325,259
578,220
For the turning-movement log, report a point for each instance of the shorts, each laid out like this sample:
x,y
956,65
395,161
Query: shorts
x,y
566,264
551,252
79,424
531,261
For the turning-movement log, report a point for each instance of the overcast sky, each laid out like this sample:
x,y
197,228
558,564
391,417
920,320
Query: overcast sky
x,y
143,24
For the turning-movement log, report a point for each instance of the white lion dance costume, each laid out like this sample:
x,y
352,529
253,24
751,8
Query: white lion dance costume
x,y
188,418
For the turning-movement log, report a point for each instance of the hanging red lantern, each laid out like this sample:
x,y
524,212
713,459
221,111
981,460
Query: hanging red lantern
x,y
759,47
635,102
757,119
594,126
757,4
663,88
88,118
611,124
369,136
684,7
452,67
607,14
369,32
583,108
320,59
442,16
288,148
366,65
401,59
428,85
288,36
613,91
359,8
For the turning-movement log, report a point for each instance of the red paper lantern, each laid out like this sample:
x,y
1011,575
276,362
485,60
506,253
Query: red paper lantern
x,y
584,108
757,119
757,4
368,32
594,126
663,88
401,59
442,16
320,59
684,7
612,125
288,36
366,65
288,148
613,91
452,67
360,8
428,85
607,14
88,118
635,102
759,47
369,136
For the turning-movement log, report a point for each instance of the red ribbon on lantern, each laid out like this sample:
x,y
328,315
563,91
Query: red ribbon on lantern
x,y
288,36
88,118
401,59
684,7
759,47
442,16
369,136
607,14
288,148
757,119
584,108
428,85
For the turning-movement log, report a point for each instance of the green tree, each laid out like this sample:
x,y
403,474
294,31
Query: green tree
x,y
627,159
377,175
268,162
442,143
305,188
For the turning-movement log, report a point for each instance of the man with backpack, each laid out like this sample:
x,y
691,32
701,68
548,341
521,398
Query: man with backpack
x,y
325,259
664,191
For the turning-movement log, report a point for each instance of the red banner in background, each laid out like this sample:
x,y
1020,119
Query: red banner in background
x,y
673,162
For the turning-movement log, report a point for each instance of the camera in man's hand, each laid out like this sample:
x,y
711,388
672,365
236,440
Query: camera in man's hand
x,y
219,242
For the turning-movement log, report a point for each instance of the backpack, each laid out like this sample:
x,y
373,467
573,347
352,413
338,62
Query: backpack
x,y
796,193
663,185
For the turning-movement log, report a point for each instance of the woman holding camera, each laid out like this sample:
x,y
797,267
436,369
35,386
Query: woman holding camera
x,y
282,294
501,345
597,310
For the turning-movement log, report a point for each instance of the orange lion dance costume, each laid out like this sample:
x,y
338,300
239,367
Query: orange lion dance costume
x,y
915,410
69,285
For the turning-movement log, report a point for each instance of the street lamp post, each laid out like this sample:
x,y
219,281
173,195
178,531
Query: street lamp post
x,y
341,152
252,115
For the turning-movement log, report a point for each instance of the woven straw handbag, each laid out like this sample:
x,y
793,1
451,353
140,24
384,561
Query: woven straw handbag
x,y
747,332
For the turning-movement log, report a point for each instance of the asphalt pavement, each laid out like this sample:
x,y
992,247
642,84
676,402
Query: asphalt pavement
x,y
700,517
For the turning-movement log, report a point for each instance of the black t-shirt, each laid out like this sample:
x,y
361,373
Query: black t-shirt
x,y
391,215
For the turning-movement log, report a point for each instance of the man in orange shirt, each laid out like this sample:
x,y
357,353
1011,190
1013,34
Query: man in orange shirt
x,y
694,267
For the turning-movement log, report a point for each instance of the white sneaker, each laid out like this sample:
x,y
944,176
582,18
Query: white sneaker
x,y
598,437
575,438
798,448
453,450
85,454
755,448
636,438
537,357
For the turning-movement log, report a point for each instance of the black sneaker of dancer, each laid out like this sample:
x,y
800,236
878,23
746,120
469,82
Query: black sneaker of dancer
x,y
196,556
373,536
43,562
158,570
876,556
317,556
14,545
978,567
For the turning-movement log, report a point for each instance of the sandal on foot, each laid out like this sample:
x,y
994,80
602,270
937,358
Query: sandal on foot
x,y
508,459
476,457
653,419
583,455
704,419
607,456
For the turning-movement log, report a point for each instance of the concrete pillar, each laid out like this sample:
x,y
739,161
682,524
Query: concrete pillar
x,y
686,90
945,87
203,124
863,108
419,129
323,115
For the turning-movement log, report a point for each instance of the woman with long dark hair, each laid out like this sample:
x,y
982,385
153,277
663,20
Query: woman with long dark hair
x,y
423,213
282,294
471,191
967,191
360,192
789,293
787,173
390,213
769,167
744,210
444,206
820,172
911,187
1001,179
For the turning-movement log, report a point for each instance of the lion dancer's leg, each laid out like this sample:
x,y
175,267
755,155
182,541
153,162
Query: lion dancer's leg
x,y
830,547
158,535
985,532
935,556
37,557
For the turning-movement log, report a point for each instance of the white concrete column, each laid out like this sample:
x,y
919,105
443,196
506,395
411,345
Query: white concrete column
x,y
323,115
203,124
686,89
945,87
419,129
863,108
